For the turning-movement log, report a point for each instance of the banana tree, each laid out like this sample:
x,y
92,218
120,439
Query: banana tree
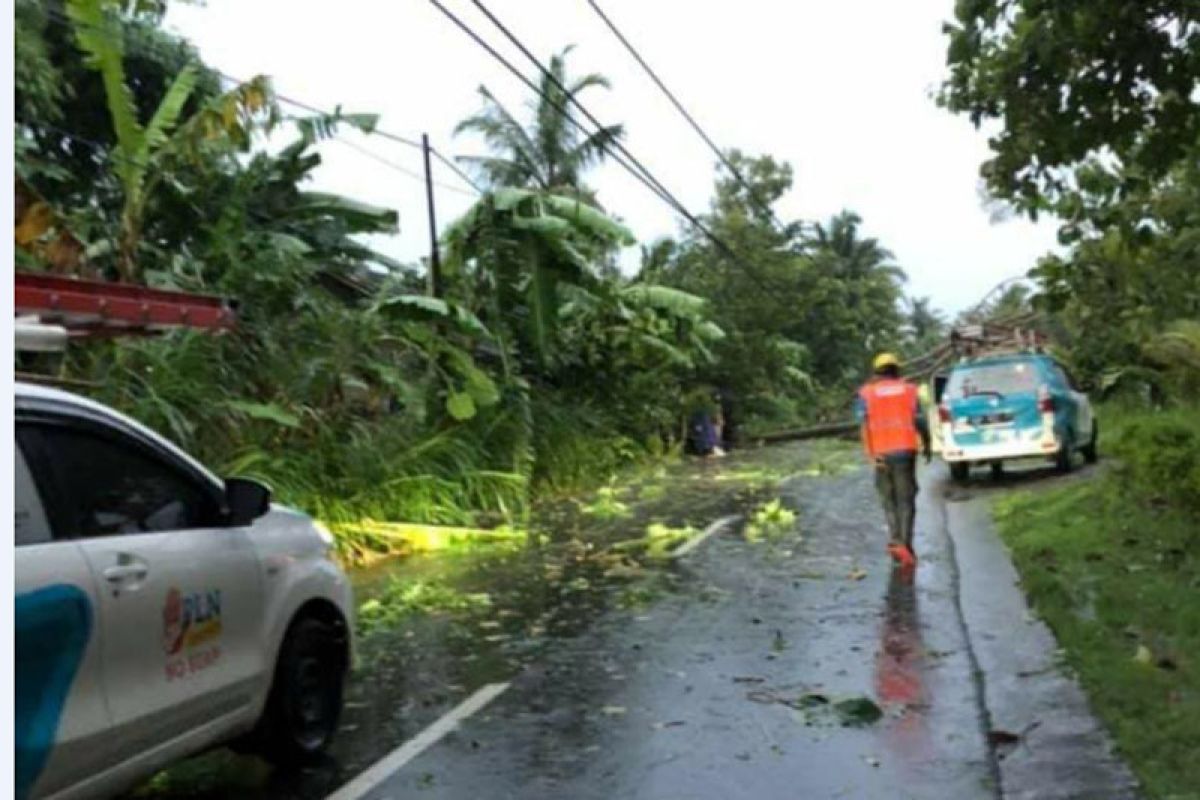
x,y
514,249
139,155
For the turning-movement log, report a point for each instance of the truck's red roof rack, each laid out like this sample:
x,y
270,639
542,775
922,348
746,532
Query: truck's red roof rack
x,y
100,308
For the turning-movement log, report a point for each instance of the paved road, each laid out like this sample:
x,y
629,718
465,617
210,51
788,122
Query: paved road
x,y
724,684
716,691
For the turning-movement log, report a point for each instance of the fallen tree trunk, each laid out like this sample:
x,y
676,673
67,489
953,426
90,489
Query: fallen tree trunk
x,y
826,431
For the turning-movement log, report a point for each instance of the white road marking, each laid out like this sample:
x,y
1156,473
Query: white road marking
x,y
387,766
692,544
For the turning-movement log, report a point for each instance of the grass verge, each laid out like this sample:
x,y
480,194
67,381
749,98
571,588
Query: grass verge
x,y
1117,578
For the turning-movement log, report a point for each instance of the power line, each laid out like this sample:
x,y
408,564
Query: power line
x,y
455,169
403,170
62,19
570,98
638,170
737,174
399,167
395,137
573,100
561,109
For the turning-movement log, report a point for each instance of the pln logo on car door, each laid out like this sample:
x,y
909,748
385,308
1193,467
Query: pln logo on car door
x,y
191,631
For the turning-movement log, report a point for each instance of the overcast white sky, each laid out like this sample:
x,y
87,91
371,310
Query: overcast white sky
x,y
841,90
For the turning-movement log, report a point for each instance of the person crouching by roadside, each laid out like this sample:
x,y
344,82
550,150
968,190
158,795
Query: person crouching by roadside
x,y
704,426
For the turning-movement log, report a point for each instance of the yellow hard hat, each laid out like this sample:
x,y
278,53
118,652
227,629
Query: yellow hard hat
x,y
884,360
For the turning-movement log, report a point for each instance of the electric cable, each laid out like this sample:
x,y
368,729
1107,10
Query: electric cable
x,y
634,166
403,170
734,171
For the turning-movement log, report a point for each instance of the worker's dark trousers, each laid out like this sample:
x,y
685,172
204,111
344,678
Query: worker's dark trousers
x,y
896,481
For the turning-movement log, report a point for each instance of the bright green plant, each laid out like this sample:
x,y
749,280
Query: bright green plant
x,y
769,521
137,160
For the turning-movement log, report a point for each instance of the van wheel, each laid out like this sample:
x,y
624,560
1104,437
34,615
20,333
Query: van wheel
x,y
302,711
1091,451
1063,460
960,471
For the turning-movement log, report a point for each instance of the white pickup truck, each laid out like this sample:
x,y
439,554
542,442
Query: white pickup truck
x,y
159,610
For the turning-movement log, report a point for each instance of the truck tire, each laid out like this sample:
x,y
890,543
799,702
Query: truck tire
x,y
1091,450
305,703
960,471
1063,460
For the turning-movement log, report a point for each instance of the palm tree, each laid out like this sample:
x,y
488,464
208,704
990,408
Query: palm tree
x,y
860,290
926,324
550,153
857,258
656,257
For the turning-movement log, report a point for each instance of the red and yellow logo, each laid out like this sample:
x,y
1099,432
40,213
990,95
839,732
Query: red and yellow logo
x,y
190,620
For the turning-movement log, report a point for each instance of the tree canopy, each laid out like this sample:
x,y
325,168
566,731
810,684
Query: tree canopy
x,y
550,152
344,384
1073,81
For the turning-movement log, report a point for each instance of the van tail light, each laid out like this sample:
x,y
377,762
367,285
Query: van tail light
x,y
1045,401
943,414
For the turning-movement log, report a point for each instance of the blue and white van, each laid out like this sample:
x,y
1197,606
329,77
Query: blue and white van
x,y
1013,406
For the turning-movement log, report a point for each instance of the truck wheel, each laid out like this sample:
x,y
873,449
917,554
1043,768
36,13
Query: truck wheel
x,y
302,711
960,471
1063,460
1091,451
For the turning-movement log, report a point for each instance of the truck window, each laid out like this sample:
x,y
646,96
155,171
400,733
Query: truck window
x,y
30,526
994,379
104,487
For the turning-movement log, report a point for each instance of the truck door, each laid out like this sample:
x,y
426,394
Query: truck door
x,y
62,720
181,601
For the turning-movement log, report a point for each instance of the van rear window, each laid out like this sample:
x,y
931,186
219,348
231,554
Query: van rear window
x,y
1001,379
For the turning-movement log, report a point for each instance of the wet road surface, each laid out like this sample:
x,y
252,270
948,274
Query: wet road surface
x,y
716,691
718,675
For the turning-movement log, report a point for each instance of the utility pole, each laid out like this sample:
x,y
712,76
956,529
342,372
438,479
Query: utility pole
x,y
435,262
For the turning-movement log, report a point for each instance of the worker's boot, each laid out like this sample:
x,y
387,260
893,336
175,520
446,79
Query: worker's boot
x,y
902,556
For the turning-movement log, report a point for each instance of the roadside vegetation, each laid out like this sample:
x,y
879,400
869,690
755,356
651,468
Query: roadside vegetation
x,y
1099,127
1113,566
348,384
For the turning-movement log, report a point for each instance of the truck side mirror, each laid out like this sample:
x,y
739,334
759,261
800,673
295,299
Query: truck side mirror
x,y
246,500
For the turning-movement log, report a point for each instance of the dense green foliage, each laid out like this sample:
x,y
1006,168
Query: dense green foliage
x,y
805,307
1099,117
1160,458
1072,80
347,387
1133,272
1099,125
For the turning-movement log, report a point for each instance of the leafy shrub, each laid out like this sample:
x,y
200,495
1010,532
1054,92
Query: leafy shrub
x,y
1160,456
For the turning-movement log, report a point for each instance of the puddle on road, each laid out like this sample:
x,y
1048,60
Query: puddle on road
x,y
436,626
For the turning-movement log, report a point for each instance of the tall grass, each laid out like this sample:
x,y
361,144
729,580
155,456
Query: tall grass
x,y
262,412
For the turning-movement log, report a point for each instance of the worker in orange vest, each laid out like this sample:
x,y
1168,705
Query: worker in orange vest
x,y
889,410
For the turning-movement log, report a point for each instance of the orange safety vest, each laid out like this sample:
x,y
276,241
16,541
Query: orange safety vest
x,y
891,406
